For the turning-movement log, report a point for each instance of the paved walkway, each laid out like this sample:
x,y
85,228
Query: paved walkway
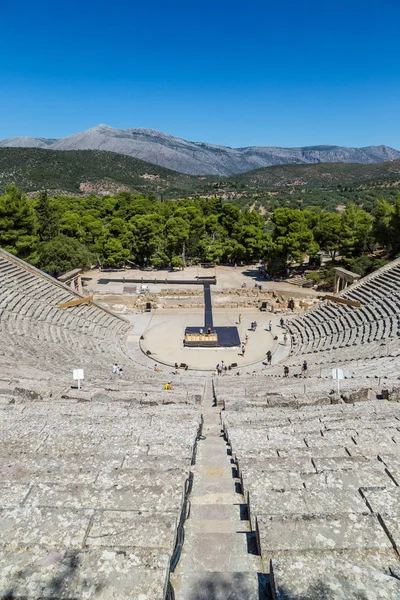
x,y
227,278
220,559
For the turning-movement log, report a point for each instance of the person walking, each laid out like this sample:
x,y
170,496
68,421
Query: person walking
x,y
115,369
270,326
286,371
219,369
285,339
240,319
304,368
269,357
120,372
243,349
282,321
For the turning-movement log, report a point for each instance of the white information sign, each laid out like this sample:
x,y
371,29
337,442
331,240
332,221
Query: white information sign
x,y
338,375
78,376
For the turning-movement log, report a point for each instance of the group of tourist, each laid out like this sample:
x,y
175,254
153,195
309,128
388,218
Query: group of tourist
x,y
117,371
253,325
221,368
304,370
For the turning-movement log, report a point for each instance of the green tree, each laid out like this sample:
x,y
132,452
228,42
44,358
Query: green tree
x,y
18,223
384,222
356,231
47,218
62,254
328,232
292,238
176,233
93,228
114,254
395,227
71,225
147,236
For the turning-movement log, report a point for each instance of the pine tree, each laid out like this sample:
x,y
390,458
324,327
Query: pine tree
x,y
47,217
18,223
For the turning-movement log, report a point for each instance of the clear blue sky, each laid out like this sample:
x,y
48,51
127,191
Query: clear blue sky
x,y
263,72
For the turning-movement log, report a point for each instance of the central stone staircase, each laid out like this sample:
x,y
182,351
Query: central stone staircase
x,y
220,558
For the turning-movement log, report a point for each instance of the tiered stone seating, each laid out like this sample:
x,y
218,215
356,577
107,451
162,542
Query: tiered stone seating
x,y
92,495
34,330
323,493
94,482
335,326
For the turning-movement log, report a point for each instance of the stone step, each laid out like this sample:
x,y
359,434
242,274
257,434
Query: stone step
x,y
209,485
214,442
212,430
199,526
225,470
218,498
219,512
223,552
209,457
221,586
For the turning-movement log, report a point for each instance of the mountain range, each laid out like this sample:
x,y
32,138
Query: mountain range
x,y
198,158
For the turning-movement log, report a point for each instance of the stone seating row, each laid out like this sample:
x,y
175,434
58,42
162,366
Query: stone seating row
x,y
329,326
20,297
332,501
36,331
323,488
99,486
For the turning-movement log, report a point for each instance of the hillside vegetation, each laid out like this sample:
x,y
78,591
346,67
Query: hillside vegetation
x,y
90,171
99,172
322,175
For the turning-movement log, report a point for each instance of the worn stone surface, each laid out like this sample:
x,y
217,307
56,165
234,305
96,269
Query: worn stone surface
x,y
52,527
362,395
350,463
329,578
132,497
351,478
13,494
108,575
385,501
312,533
116,529
306,502
221,586
391,526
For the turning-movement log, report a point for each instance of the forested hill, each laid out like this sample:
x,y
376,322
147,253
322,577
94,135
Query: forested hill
x,y
82,172
326,175
85,172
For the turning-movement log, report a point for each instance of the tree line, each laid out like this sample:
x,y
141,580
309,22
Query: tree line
x,y
60,233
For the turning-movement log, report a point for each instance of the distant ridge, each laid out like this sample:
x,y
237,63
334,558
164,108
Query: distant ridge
x,y
200,158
